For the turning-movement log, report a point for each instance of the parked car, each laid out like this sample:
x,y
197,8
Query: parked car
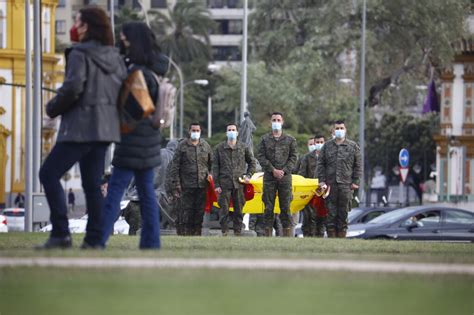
x,y
365,214
79,226
3,224
15,218
435,223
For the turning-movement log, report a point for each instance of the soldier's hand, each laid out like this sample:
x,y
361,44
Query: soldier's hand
x,y
209,177
218,190
278,174
322,185
354,186
246,179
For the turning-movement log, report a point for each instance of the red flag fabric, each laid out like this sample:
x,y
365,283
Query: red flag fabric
x,y
318,204
211,196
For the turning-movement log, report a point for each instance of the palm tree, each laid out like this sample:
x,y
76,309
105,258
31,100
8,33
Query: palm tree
x,y
183,33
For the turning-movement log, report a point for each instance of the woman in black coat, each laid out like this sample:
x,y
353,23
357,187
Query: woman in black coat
x,y
139,151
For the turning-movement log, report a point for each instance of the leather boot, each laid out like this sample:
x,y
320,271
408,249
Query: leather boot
x,y
268,232
197,231
188,231
225,232
286,232
237,233
331,233
341,234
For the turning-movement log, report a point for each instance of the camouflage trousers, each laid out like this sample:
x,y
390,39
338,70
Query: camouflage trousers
x,y
272,187
237,196
313,225
191,210
338,203
257,224
133,217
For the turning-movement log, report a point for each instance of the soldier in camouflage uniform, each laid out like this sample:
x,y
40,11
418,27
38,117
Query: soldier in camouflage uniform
x,y
307,169
232,160
190,170
313,224
277,156
340,167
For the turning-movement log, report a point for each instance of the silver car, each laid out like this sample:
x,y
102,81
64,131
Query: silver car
x,y
15,218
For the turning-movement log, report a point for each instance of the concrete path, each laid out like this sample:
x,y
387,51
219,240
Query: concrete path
x,y
243,264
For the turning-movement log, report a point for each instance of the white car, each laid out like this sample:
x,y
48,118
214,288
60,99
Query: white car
x,y
79,226
15,218
3,224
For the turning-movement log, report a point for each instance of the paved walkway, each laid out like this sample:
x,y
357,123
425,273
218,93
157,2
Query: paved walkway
x,y
249,264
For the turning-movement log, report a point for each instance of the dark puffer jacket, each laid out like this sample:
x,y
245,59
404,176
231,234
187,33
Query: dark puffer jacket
x,y
87,100
140,149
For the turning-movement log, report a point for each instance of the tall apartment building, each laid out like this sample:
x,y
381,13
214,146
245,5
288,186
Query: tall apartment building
x,y
226,39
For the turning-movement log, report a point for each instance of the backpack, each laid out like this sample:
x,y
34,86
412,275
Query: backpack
x,y
166,103
135,102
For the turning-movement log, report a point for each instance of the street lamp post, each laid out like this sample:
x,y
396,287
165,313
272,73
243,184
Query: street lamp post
x,y
362,103
243,97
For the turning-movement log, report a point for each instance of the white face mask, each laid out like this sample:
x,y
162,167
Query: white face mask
x,y
276,125
311,148
195,135
318,146
340,134
232,135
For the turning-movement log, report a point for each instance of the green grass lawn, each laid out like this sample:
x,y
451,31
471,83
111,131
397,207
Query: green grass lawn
x,y
21,244
150,291
203,291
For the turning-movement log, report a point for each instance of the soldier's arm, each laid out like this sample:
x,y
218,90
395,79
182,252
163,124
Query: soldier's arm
x,y
216,167
303,166
251,164
321,166
357,169
292,158
173,171
264,162
209,160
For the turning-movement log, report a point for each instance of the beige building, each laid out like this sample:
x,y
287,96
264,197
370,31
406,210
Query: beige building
x,y
12,98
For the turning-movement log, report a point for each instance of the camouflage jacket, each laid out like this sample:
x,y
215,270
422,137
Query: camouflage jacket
x,y
277,154
339,164
308,165
191,165
229,164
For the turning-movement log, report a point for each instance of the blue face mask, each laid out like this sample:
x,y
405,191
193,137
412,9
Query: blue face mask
x,y
276,125
195,135
232,135
318,146
340,134
311,148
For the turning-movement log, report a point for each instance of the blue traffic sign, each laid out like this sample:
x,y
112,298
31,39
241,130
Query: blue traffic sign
x,y
404,158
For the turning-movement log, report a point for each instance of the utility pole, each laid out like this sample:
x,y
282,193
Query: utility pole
x,y
243,96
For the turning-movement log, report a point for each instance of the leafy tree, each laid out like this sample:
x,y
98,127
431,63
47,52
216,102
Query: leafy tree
x,y
183,33
404,38
125,15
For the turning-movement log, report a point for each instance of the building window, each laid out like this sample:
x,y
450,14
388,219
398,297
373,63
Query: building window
x,y
159,4
60,27
228,27
62,3
226,53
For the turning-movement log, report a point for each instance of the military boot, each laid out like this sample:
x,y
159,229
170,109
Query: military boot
x,y
225,232
268,232
197,231
331,233
287,232
237,233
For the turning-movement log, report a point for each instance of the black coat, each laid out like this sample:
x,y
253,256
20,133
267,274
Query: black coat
x,y
87,100
140,149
